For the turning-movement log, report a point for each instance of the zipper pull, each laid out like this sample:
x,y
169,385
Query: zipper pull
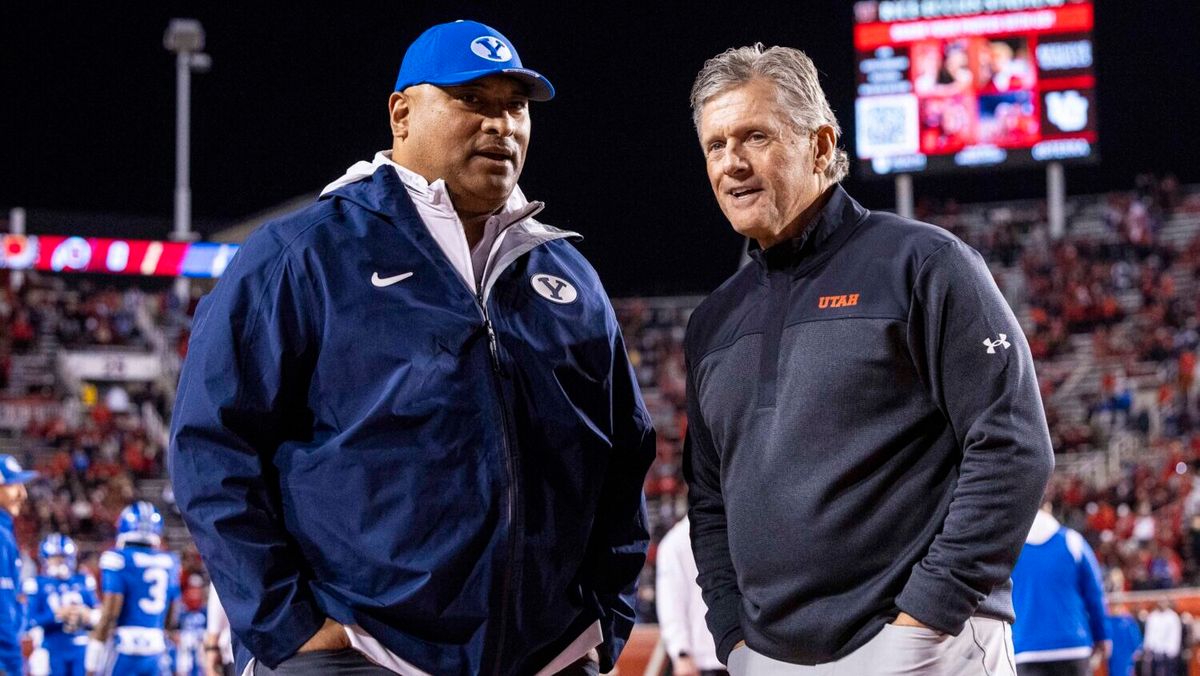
x,y
491,334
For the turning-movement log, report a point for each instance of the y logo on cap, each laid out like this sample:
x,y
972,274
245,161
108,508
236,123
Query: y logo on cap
x,y
554,289
491,48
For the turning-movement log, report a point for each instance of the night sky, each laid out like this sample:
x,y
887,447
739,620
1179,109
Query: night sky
x,y
298,92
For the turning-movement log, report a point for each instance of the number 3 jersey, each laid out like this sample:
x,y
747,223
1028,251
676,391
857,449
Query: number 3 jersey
x,y
47,596
149,581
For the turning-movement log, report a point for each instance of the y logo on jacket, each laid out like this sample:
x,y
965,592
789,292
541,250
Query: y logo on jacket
x,y
554,289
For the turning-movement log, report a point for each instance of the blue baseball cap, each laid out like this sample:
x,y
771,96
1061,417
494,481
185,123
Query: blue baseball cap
x,y
461,51
11,472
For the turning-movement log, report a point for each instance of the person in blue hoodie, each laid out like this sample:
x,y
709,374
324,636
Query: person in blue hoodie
x,y
407,436
12,604
1059,601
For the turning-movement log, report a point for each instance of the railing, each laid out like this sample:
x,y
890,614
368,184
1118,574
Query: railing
x,y
1091,466
1104,467
156,427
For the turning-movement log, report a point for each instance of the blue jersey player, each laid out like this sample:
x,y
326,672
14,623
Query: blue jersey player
x,y
63,603
189,655
140,585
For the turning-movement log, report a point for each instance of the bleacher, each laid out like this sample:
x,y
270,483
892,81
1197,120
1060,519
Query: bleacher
x,y
86,395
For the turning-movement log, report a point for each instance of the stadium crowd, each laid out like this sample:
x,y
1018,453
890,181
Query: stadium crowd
x,y
94,444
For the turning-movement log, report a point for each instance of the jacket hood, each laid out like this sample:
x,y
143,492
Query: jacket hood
x,y
383,193
411,181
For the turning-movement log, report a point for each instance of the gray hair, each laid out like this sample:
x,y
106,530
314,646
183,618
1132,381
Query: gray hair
x,y
795,78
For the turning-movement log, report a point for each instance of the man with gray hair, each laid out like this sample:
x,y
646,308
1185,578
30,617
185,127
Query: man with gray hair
x,y
866,446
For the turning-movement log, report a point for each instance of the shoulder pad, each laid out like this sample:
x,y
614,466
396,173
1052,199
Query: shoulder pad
x,y
111,560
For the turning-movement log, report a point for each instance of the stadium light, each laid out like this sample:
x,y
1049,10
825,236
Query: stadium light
x,y
184,37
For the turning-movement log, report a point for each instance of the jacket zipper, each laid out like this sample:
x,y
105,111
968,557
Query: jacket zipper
x,y
513,513
511,471
779,285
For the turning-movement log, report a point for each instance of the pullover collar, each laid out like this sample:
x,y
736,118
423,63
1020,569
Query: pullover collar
x,y
832,225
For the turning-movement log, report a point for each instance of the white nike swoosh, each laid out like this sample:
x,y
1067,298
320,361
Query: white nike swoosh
x,y
388,281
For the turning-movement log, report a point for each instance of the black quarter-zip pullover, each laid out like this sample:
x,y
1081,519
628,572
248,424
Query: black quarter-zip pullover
x,y
866,437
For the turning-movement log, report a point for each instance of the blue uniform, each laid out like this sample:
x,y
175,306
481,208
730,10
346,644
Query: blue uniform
x,y
65,645
149,581
1126,644
189,657
12,612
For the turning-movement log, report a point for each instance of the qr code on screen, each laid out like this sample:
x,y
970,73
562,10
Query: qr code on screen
x,y
887,125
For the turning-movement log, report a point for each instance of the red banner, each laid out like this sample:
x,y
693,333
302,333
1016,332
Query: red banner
x,y
1072,19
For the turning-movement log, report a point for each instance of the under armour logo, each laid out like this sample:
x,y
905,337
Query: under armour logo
x,y
490,48
1003,342
554,289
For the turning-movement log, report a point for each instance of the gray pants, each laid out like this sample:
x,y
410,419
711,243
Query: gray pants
x,y
983,648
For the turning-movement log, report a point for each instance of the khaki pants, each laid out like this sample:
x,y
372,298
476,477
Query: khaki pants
x,y
983,648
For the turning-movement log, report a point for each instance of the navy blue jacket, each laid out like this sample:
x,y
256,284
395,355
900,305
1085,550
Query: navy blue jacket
x,y
457,471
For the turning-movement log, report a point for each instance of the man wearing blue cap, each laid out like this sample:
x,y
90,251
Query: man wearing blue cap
x,y
12,613
407,437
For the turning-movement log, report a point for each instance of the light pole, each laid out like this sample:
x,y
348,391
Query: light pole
x,y
184,37
16,226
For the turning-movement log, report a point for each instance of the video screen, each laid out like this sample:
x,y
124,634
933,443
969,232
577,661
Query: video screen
x,y
948,85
